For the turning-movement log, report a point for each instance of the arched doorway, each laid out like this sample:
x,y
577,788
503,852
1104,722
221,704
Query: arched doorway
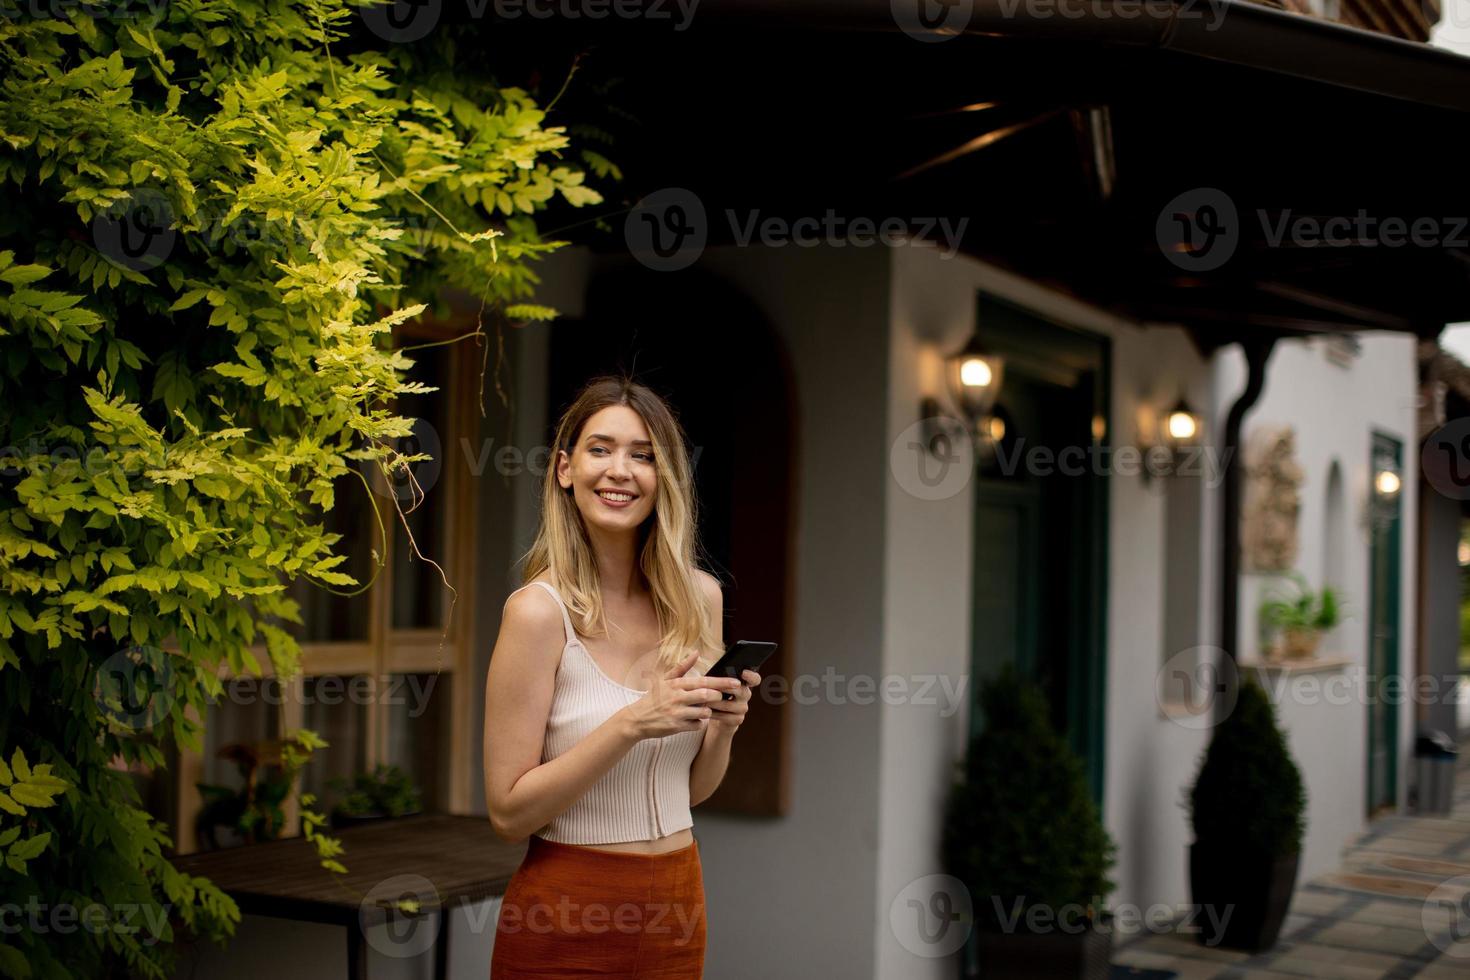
x,y
703,345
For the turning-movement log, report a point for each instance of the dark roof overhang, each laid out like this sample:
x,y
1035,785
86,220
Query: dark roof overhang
x,y
1062,141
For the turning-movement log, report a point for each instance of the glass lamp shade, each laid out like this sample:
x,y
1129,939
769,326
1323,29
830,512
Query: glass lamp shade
x,y
1182,426
974,376
1386,483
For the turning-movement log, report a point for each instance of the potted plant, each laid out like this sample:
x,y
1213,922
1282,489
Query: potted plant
x,y
1246,809
256,811
384,793
1022,832
1301,618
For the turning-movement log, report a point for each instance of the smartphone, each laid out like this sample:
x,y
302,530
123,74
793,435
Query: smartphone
x,y
740,656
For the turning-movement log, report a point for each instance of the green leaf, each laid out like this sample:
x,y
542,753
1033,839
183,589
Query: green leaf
x,y
19,275
13,963
298,201
31,847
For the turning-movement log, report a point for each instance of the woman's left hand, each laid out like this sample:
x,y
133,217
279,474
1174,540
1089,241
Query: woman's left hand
x,y
726,716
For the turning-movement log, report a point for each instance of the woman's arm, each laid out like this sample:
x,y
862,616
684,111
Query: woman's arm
x,y
708,769
521,793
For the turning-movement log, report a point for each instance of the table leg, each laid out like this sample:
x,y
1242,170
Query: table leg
x,y
356,951
441,946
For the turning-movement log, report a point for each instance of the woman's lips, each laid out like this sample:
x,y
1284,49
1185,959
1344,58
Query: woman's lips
x,y
619,504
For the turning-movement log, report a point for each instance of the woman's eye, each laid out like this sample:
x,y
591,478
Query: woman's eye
x,y
646,457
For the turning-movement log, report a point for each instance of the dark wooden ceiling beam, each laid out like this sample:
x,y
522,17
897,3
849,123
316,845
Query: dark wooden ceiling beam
x,y
1366,315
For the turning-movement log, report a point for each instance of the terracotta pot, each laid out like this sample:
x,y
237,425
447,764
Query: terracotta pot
x,y
1299,644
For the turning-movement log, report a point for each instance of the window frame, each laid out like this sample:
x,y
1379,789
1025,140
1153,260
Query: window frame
x,y
387,650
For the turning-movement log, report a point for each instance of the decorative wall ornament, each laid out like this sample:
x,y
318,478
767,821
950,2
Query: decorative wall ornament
x,y
1272,501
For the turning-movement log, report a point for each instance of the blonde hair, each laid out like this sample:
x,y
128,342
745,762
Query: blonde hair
x,y
667,539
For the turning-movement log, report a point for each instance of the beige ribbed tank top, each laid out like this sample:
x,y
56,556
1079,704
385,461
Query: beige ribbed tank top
x,y
645,795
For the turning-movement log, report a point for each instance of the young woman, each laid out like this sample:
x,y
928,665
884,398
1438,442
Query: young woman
x,y
600,729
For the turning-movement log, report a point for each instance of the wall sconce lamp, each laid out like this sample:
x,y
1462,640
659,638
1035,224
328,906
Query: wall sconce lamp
x,y
1383,502
1179,428
973,377
1386,483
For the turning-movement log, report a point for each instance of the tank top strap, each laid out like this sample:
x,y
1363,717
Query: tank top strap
x,y
565,618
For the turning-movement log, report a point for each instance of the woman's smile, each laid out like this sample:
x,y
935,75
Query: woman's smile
x,y
616,498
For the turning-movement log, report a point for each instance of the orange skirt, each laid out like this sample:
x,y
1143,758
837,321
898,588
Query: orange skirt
x,y
574,913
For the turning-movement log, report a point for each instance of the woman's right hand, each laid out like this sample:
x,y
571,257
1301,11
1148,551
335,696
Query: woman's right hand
x,y
674,703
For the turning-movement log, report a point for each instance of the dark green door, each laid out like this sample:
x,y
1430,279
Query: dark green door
x,y
1040,524
1006,582
1383,628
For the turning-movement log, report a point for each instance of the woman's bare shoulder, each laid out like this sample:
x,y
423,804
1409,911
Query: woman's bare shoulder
x,y
709,584
532,614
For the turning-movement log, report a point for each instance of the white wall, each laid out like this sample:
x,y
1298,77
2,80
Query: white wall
x,y
882,590
1151,759
787,895
791,897
927,620
1334,411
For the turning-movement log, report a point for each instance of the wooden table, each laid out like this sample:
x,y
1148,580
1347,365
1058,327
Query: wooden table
x,y
442,861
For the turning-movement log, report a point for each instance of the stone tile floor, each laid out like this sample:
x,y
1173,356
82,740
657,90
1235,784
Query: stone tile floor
x,y
1378,916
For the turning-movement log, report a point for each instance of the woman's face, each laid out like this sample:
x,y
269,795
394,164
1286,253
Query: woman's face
x,y
611,463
